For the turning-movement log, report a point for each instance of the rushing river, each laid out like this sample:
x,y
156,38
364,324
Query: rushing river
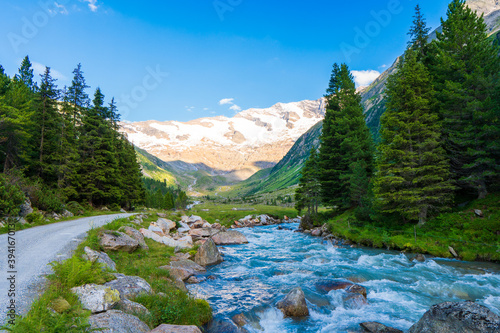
x,y
255,276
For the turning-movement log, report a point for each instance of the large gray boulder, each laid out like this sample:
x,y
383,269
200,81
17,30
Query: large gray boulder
x,y
202,233
118,241
164,328
115,321
166,225
208,254
135,234
97,298
294,304
229,237
129,286
457,317
223,325
132,308
100,257
374,327
183,269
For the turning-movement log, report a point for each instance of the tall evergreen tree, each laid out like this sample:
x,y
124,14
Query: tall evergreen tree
x,y
47,123
345,139
419,33
26,74
308,193
413,171
76,95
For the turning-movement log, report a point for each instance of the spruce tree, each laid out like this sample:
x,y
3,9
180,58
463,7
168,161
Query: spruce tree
x,y
419,33
76,95
413,171
345,139
307,194
26,74
466,68
47,129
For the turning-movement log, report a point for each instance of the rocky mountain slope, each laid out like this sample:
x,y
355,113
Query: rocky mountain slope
x,y
235,147
287,172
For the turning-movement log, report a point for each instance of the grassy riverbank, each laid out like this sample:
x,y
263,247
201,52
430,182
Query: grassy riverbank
x,y
59,310
471,236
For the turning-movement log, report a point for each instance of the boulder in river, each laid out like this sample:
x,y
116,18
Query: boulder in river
x,y
115,321
229,237
356,289
294,304
354,301
327,285
208,254
97,298
223,325
129,286
118,241
457,317
164,328
374,327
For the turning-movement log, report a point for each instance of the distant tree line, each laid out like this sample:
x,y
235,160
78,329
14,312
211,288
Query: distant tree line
x,y
440,133
58,146
160,195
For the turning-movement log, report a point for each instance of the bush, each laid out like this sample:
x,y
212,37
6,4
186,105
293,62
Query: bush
x,y
75,208
46,199
11,196
34,217
114,207
76,272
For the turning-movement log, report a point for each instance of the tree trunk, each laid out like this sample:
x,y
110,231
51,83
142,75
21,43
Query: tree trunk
x,y
481,190
422,216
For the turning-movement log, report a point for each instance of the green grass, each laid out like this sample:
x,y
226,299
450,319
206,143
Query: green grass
x,y
154,171
472,237
39,220
67,274
176,306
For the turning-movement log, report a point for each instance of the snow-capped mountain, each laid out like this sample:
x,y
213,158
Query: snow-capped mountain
x,y
236,147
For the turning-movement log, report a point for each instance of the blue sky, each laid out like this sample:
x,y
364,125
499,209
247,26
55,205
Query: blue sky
x,y
186,59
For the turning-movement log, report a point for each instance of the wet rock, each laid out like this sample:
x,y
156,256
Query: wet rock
x,y
100,257
294,304
114,321
135,234
356,289
240,319
457,317
374,327
208,254
354,301
229,237
195,280
164,328
183,269
118,241
419,257
129,286
97,298
328,285
223,325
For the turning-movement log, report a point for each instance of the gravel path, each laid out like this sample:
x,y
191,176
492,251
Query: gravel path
x,y
34,249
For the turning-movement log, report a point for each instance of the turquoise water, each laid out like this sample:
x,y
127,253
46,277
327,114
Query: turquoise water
x,y
255,276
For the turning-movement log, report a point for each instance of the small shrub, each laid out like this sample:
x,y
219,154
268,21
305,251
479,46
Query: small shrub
x,y
114,207
76,272
11,196
75,208
34,217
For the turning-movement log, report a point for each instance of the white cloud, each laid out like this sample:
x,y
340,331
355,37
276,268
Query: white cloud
x,y
226,101
58,9
39,69
206,109
364,78
92,5
235,108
